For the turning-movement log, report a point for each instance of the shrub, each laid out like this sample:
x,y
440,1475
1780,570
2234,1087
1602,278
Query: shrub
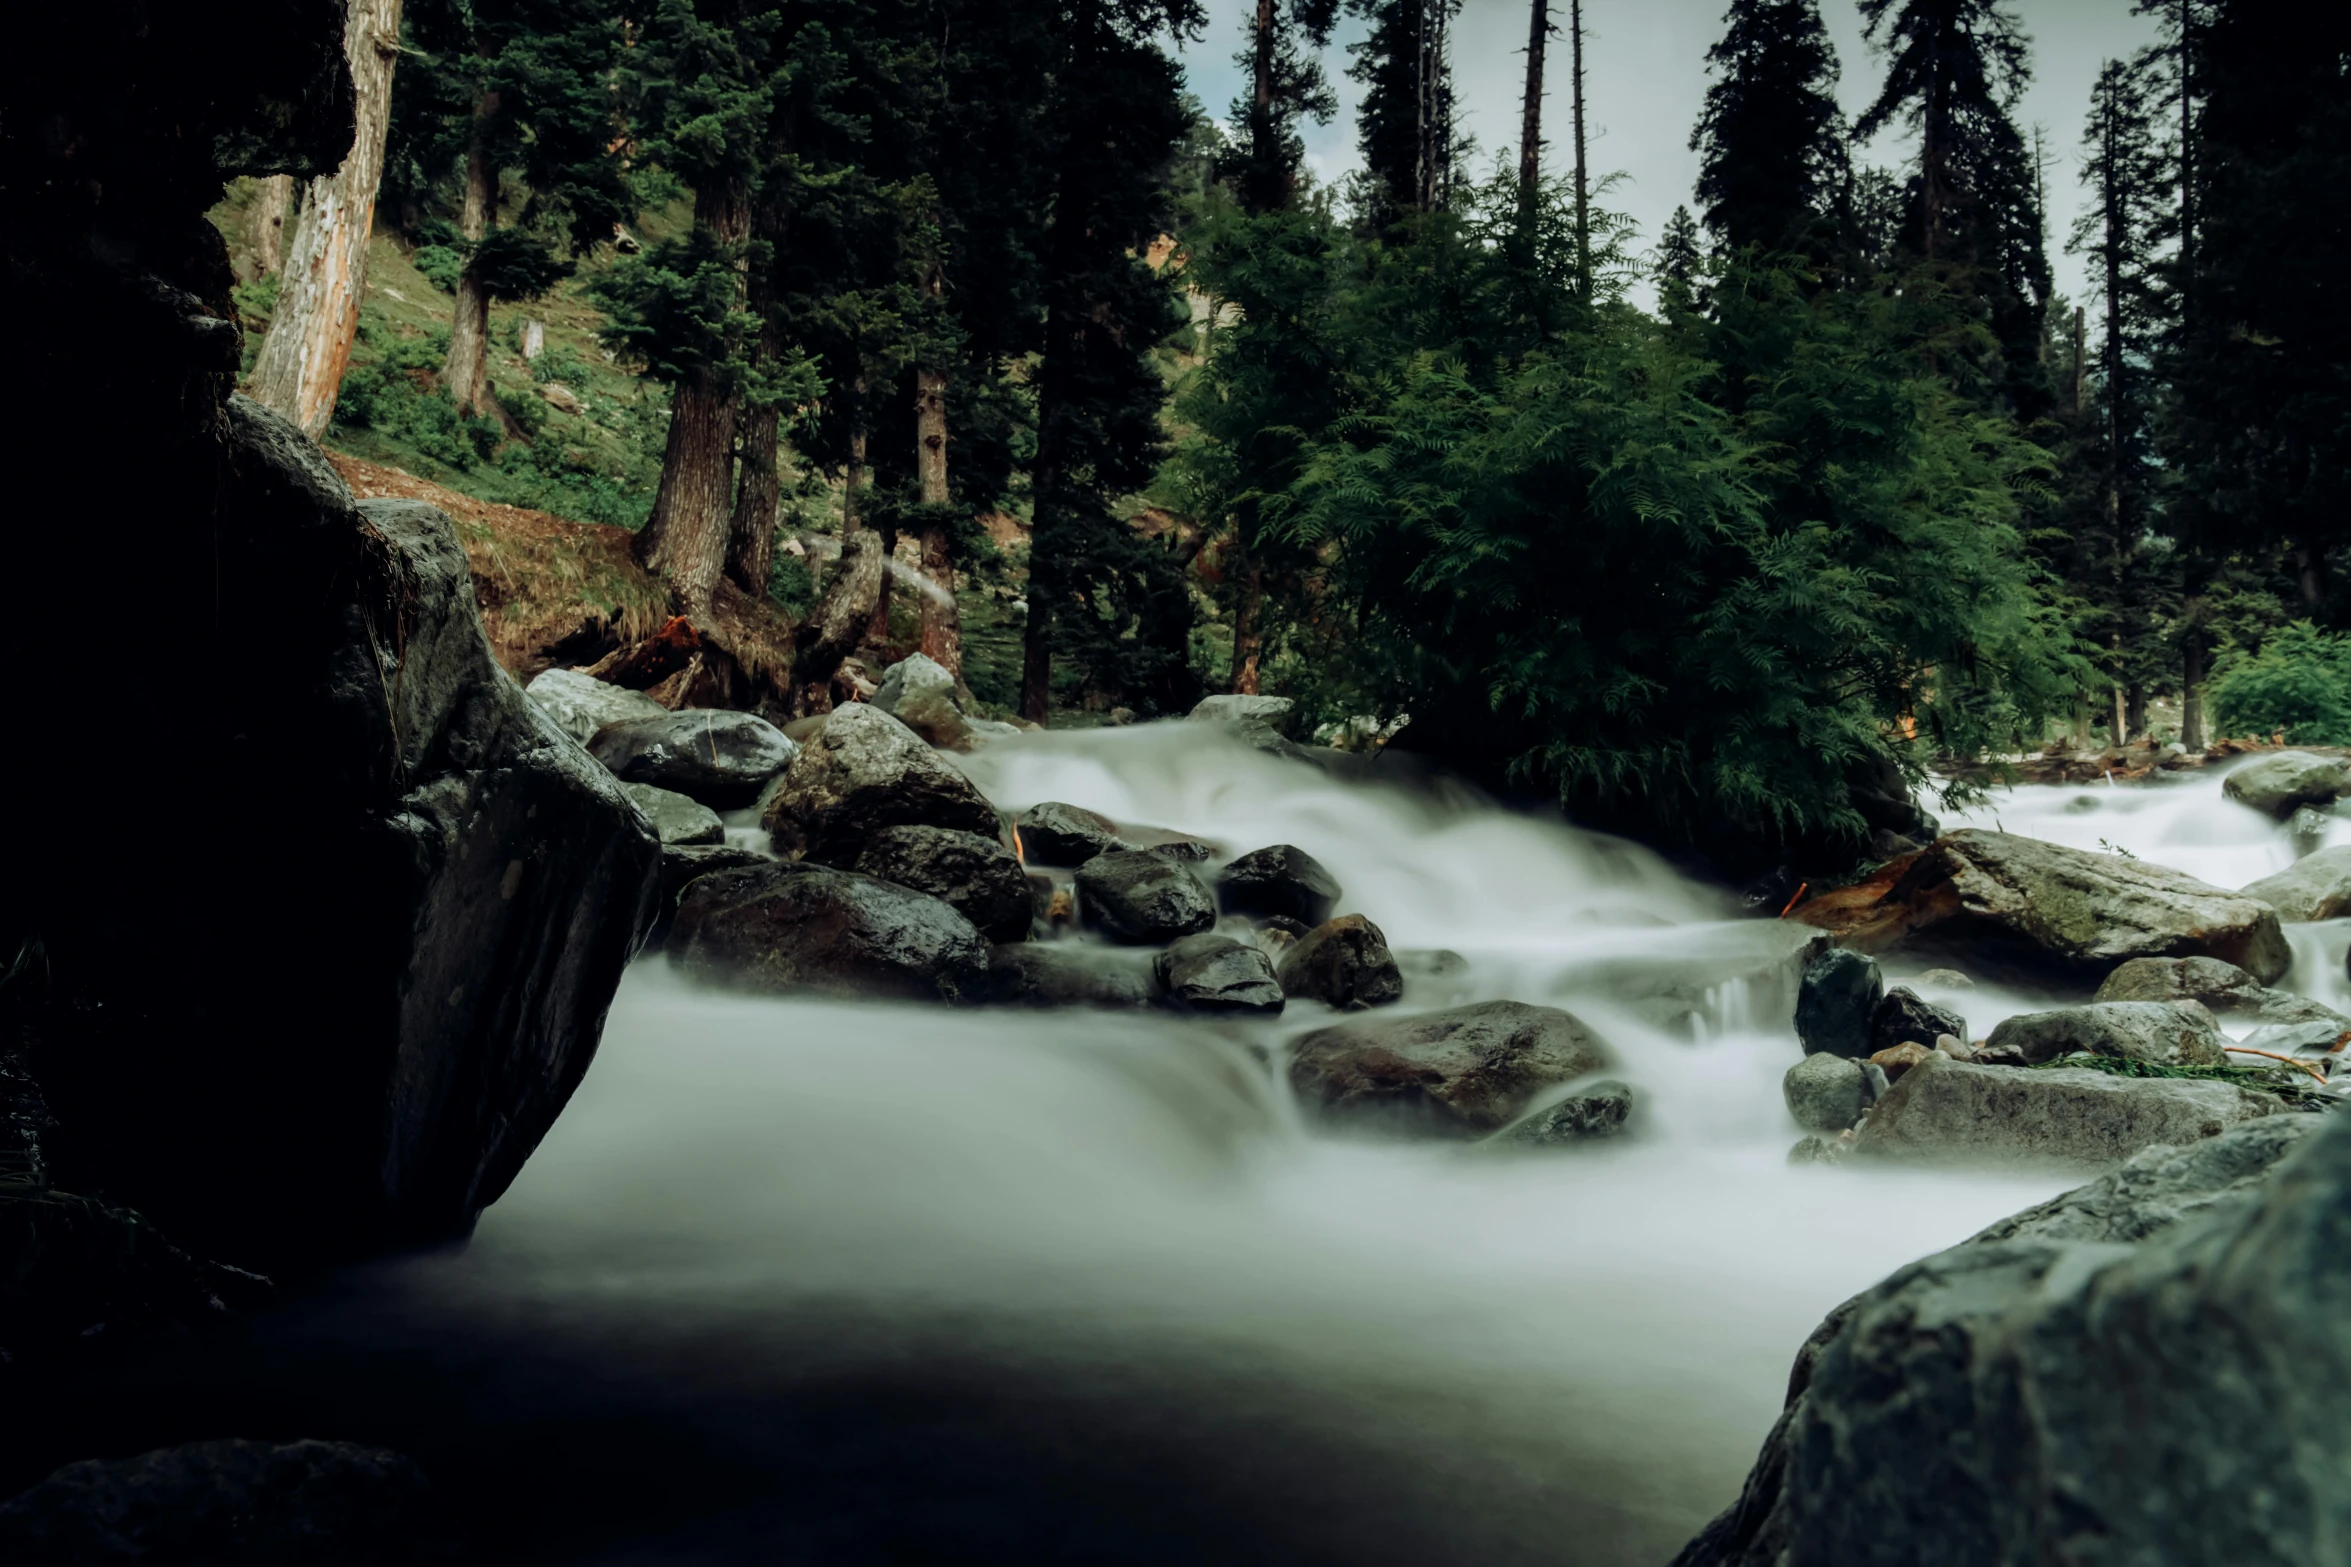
x,y
2299,682
441,266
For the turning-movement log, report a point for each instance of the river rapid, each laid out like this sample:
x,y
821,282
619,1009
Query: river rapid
x,y
798,1281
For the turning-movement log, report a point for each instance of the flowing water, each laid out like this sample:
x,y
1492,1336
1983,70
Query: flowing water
x,y
799,1281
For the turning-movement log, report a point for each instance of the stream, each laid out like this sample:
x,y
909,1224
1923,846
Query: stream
x,y
816,1282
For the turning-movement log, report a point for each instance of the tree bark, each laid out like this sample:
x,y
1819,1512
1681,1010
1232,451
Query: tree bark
x,y
1530,118
1036,658
302,359
2192,688
1248,635
832,631
1583,183
270,201
467,374
942,628
694,509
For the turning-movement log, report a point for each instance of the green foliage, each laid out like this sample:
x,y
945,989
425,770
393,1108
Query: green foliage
x,y
2298,683
1771,138
789,584
442,265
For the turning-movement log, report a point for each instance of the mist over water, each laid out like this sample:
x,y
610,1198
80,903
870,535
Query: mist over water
x,y
809,1281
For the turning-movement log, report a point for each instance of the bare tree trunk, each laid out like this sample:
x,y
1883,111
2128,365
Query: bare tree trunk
x,y
694,511
301,365
1530,117
942,627
759,494
270,201
1248,636
1583,182
467,374
2192,688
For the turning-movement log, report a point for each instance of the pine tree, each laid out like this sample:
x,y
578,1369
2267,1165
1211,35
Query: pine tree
x,y
1678,261
1286,86
1405,122
1771,140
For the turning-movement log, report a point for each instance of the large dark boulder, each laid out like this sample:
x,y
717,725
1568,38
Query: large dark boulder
x,y
1905,1017
2280,784
1836,1001
1282,880
1056,834
1458,1073
684,862
231,1504
1133,895
1345,963
1210,973
811,930
862,772
1072,974
976,877
720,758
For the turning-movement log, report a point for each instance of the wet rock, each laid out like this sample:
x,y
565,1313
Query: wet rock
x,y
2224,987
675,818
2161,1033
719,758
1825,1092
1210,973
1071,974
231,1504
2299,1039
810,930
2048,907
1586,1115
1283,879
680,864
1898,1059
1835,1001
937,721
1283,926
916,675
1945,979
1176,846
865,772
1903,1017
1457,1073
1272,711
1135,896
976,877
1058,834
2277,785
1344,962
581,704
1957,1112
2315,887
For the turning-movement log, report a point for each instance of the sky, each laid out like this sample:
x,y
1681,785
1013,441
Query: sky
x,y
1645,77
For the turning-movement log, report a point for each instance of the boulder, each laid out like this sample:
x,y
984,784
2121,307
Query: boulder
x,y
2309,1040
976,877
581,704
1210,973
2067,1118
2047,907
2315,887
231,1504
1586,1115
718,757
1071,974
2223,987
1344,962
2279,784
1058,834
682,863
675,818
809,929
1903,1018
1836,1000
937,720
1458,1073
1900,1058
2161,1033
917,674
1825,1092
2136,1372
1283,879
1135,896
1274,712
864,772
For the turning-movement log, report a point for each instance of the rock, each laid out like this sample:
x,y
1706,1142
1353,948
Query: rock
x,y
2224,987
938,721
1288,929
581,704
1071,974
865,772
562,398
2277,784
1283,879
1344,962
1818,1150
1192,851
1825,1092
976,877
1898,1059
2298,1039
1135,896
1225,708
675,818
1058,834
680,864
1457,1073
1957,1112
915,675
1835,1002
2315,887
810,929
2135,1352
231,1504
1955,1047
1210,973
1902,1017
1945,979
718,757
1583,1116
2048,907
2162,1033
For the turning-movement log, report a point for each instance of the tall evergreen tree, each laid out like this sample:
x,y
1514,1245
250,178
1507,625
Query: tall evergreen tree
x,y
1286,86
1405,121
1771,139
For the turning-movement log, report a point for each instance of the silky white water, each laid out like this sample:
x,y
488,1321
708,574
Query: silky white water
x,y
898,1283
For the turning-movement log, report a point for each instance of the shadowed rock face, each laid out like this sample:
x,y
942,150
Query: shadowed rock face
x,y
866,771
1458,1073
806,929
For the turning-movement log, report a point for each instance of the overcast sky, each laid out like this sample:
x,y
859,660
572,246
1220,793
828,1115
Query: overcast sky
x,y
1645,69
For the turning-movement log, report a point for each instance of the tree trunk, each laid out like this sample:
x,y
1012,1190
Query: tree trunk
x,y
942,629
759,495
2118,720
270,201
2192,687
1036,658
467,374
1583,182
2310,573
1248,618
694,510
301,365
832,630
2134,710
1530,117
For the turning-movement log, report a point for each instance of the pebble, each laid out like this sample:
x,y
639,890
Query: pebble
x,y
1900,1059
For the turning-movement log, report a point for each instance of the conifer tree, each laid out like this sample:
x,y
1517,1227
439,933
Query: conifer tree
x,y
1405,122
1286,86
1771,140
